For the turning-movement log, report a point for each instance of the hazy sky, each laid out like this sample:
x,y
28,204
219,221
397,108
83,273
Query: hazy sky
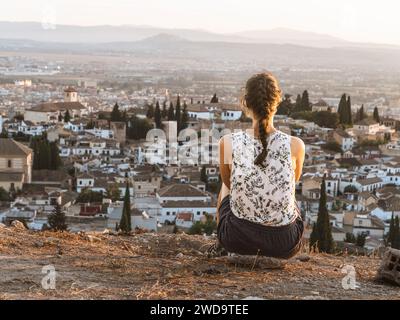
x,y
356,20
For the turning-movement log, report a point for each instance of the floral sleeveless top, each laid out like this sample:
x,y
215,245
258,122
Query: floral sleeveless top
x,y
266,194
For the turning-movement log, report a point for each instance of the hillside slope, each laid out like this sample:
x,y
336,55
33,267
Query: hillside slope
x,y
160,266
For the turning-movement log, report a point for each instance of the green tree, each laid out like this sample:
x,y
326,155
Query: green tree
x,y
286,106
150,111
44,155
305,102
333,146
184,117
90,125
376,115
89,196
350,238
125,223
171,112
157,116
342,110
396,234
298,104
214,99
207,227
164,112
349,113
326,119
113,192
178,113
137,128
55,159
323,233
360,114
116,113
4,134
360,240
57,219
67,116
350,189
391,233
4,195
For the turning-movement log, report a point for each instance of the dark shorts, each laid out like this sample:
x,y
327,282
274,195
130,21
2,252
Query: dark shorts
x,y
248,238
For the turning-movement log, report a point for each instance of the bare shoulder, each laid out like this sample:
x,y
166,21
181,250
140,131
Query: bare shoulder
x,y
297,145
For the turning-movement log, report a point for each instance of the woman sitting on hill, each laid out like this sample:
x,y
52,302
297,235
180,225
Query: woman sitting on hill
x,y
257,209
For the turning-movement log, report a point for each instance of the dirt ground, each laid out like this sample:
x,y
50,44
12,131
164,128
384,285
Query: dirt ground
x,y
161,266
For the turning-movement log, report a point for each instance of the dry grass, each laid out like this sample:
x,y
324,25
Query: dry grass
x,y
160,266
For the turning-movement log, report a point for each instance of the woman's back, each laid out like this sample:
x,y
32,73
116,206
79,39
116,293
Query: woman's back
x,y
263,194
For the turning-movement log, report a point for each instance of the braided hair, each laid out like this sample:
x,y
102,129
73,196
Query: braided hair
x,y
262,97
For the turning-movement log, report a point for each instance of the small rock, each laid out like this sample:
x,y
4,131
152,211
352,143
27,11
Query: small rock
x,y
38,244
315,293
390,266
2,225
93,239
303,258
107,232
18,225
180,255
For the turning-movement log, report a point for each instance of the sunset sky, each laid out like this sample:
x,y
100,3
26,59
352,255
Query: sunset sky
x,y
354,20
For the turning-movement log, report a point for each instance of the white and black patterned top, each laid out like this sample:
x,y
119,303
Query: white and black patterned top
x,y
263,194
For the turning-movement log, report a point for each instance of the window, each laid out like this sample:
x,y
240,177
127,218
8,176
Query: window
x,y
168,213
198,213
9,163
80,182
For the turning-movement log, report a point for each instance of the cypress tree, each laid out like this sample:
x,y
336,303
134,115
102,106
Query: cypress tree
x,y
391,233
214,99
57,219
185,117
342,110
348,109
313,237
55,160
178,113
164,113
115,113
323,231
297,106
171,112
396,234
362,113
125,223
157,116
67,116
150,112
376,115
44,155
305,102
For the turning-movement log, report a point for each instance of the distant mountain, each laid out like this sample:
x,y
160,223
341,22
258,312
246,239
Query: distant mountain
x,y
102,34
290,36
164,46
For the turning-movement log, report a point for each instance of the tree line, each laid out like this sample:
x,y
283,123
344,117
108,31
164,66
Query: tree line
x,y
302,109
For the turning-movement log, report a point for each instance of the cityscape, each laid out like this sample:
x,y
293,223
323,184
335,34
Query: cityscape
x,y
102,138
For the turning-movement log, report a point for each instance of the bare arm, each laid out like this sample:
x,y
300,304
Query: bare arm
x,y
225,160
298,154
